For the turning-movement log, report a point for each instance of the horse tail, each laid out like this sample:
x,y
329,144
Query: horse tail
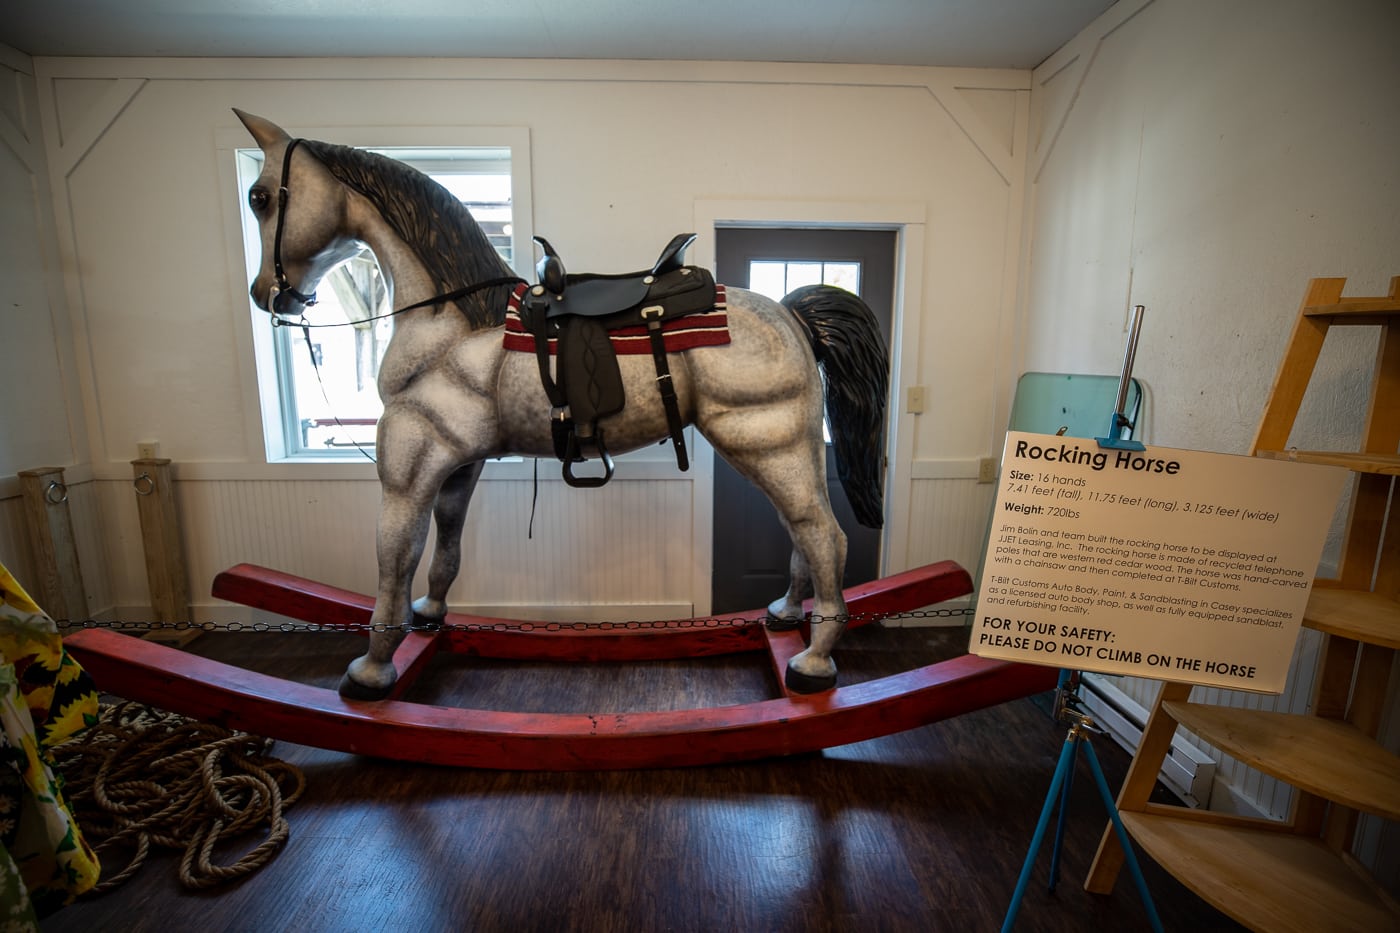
x,y
847,342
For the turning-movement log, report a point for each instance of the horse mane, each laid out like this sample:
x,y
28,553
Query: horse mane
x,y
454,249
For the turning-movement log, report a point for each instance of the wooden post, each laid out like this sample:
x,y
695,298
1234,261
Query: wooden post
x,y
160,539
50,527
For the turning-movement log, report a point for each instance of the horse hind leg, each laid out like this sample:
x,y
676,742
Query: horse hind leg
x,y
822,545
450,513
794,480
785,613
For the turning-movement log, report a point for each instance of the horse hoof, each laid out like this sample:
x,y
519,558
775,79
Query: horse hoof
x,y
351,690
776,623
427,615
799,682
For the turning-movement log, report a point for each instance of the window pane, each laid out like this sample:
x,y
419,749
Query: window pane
x,y
843,275
803,273
777,278
768,278
337,404
488,198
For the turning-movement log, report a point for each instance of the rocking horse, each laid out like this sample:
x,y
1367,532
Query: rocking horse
x,y
454,396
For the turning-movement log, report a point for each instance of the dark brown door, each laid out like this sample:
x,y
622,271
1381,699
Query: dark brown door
x,y
751,549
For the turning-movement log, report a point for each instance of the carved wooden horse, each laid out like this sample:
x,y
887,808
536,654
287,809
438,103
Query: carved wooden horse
x,y
453,397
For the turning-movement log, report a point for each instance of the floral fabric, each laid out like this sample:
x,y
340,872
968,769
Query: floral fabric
x,y
45,697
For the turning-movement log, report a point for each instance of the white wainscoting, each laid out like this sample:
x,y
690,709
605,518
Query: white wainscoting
x,y
950,520
950,512
621,552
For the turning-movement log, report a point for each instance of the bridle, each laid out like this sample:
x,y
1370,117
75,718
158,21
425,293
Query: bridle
x,y
283,288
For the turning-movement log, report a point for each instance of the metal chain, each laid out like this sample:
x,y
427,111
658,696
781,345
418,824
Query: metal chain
x,y
500,626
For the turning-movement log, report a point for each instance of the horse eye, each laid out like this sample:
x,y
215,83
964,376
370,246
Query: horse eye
x,y
257,199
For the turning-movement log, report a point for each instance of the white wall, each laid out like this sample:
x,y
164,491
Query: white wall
x,y
1206,159
625,154
41,413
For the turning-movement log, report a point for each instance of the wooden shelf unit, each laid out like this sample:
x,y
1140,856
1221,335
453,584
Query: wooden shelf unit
x,y
1299,873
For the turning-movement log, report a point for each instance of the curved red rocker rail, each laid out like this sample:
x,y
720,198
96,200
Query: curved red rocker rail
x,y
394,728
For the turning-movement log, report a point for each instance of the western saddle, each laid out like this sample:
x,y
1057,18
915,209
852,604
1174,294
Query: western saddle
x,y
579,311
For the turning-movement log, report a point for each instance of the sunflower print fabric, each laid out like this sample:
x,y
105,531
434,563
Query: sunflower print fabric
x,y
45,697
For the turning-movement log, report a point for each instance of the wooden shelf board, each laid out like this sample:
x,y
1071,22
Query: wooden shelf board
x,y
1264,880
1327,757
1356,310
1385,464
1361,616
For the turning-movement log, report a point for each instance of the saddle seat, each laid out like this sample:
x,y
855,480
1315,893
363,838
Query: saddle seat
x,y
598,295
579,311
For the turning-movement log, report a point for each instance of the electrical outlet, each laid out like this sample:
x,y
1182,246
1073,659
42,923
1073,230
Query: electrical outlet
x,y
148,450
987,470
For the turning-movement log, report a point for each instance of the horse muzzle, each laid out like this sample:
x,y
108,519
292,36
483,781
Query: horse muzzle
x,y
285,301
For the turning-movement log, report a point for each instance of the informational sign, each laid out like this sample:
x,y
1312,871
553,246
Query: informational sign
x,y
1170,564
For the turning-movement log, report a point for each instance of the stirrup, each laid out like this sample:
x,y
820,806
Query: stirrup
x,y
574,453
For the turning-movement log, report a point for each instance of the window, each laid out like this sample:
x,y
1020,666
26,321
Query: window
x,y
776,278
317,385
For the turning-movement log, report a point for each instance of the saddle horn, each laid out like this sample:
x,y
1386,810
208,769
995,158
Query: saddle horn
x,y
550,268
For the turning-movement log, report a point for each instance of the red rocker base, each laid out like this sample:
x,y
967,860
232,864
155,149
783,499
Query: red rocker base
x,y
239,699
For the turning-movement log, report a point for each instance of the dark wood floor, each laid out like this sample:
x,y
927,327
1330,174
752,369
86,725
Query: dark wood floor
x,y
925,830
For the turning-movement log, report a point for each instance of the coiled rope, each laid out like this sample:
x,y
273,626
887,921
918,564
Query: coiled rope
x,y
143,777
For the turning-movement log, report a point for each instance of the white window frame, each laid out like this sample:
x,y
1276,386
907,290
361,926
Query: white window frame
x,y
267,425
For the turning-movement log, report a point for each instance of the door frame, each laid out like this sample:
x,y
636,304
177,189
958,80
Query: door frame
x,y
908,220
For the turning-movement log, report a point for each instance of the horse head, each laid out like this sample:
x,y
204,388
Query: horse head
x,y
302,218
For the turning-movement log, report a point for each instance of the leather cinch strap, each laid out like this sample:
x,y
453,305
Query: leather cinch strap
x,y
665,384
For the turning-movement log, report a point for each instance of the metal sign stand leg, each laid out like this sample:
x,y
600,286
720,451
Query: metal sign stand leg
x,y
1080,728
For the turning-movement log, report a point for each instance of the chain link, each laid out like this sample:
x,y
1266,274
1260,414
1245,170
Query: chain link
x,y
499,626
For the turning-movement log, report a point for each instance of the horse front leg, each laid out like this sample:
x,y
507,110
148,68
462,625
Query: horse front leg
x,y
450,513
402,531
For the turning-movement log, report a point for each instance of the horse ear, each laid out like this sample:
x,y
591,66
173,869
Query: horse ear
x,y
265,132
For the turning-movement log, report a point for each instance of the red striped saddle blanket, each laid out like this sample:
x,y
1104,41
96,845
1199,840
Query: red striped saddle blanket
x,y
703,329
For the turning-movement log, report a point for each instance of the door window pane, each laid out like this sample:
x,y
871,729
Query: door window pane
x,y
769,278
843,275
803,273
776,278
